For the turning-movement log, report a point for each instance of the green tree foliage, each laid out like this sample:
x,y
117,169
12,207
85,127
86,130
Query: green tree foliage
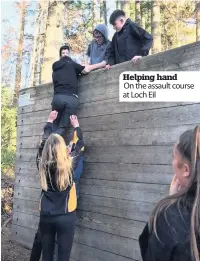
x,y
8,130
176,30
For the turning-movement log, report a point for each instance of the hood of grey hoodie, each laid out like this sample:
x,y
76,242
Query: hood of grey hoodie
x,y
102,28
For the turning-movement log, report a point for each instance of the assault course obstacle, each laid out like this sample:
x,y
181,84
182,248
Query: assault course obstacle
x,y
127,160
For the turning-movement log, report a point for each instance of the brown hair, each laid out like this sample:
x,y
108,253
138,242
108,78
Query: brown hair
x,y
55,153
189,149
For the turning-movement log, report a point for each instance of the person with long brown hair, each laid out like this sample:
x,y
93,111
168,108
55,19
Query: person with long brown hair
x,y
58,202
173,231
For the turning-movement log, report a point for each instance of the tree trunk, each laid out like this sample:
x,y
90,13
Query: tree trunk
x,y
34,59
105,13
132,10
137,12
125,6
23,7
155,26
53,40
96,12
45,5
197,12
142,11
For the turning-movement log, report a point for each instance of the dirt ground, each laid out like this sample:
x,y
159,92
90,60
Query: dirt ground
x,y
11,251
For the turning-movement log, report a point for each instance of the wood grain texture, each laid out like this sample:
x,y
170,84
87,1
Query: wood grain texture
x,y
127,164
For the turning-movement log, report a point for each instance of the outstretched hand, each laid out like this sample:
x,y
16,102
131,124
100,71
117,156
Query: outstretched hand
x,y
52,116
74,121
136,59
88,68
107,67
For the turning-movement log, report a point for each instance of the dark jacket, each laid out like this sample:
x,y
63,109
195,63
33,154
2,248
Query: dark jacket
x,y
65,76
132,40
97,52
77,154
53,201
174,237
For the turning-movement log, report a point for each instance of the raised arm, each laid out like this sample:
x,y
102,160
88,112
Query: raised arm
x,y
46,133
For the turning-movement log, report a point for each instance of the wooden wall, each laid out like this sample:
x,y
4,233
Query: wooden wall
x,y
127,161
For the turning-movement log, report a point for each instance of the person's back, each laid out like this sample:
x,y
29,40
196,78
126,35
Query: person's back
x,y
65,76
58,200
173,232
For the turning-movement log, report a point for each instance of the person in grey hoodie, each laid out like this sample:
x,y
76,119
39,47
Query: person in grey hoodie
x,y
97,50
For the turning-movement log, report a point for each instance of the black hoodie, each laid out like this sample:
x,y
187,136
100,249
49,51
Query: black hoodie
x,y
130,41
173,241
65,76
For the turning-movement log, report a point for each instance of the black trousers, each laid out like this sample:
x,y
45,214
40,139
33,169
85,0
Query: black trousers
x,y
37,247
63,226
65,105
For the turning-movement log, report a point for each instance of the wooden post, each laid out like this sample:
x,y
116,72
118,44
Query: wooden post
x,y
23,6
155,26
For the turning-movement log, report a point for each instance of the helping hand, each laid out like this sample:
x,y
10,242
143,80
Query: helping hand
x,y
52,116
74,121
107,67
136,59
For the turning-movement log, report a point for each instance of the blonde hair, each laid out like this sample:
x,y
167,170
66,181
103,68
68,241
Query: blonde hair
x,y
55,155
189,149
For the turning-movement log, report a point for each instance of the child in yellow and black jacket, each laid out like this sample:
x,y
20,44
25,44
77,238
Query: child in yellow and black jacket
x,y
75,149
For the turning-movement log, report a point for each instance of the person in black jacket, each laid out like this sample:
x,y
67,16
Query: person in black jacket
x,y
65,80
130,42
56,164
173,232
75,149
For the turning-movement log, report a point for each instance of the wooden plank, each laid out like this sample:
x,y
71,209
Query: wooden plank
x,y
125,154
142,136
32,179
117,245
156,174
26,206
163,117
128,186
85,253
140,196
25,237
104,223
114,225
101,107
25,220
27,193
182,115
120,190
133,210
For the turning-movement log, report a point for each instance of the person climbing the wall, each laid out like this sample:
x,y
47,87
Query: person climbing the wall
x,y
173,230
97,49
65,80
75,150
130,42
